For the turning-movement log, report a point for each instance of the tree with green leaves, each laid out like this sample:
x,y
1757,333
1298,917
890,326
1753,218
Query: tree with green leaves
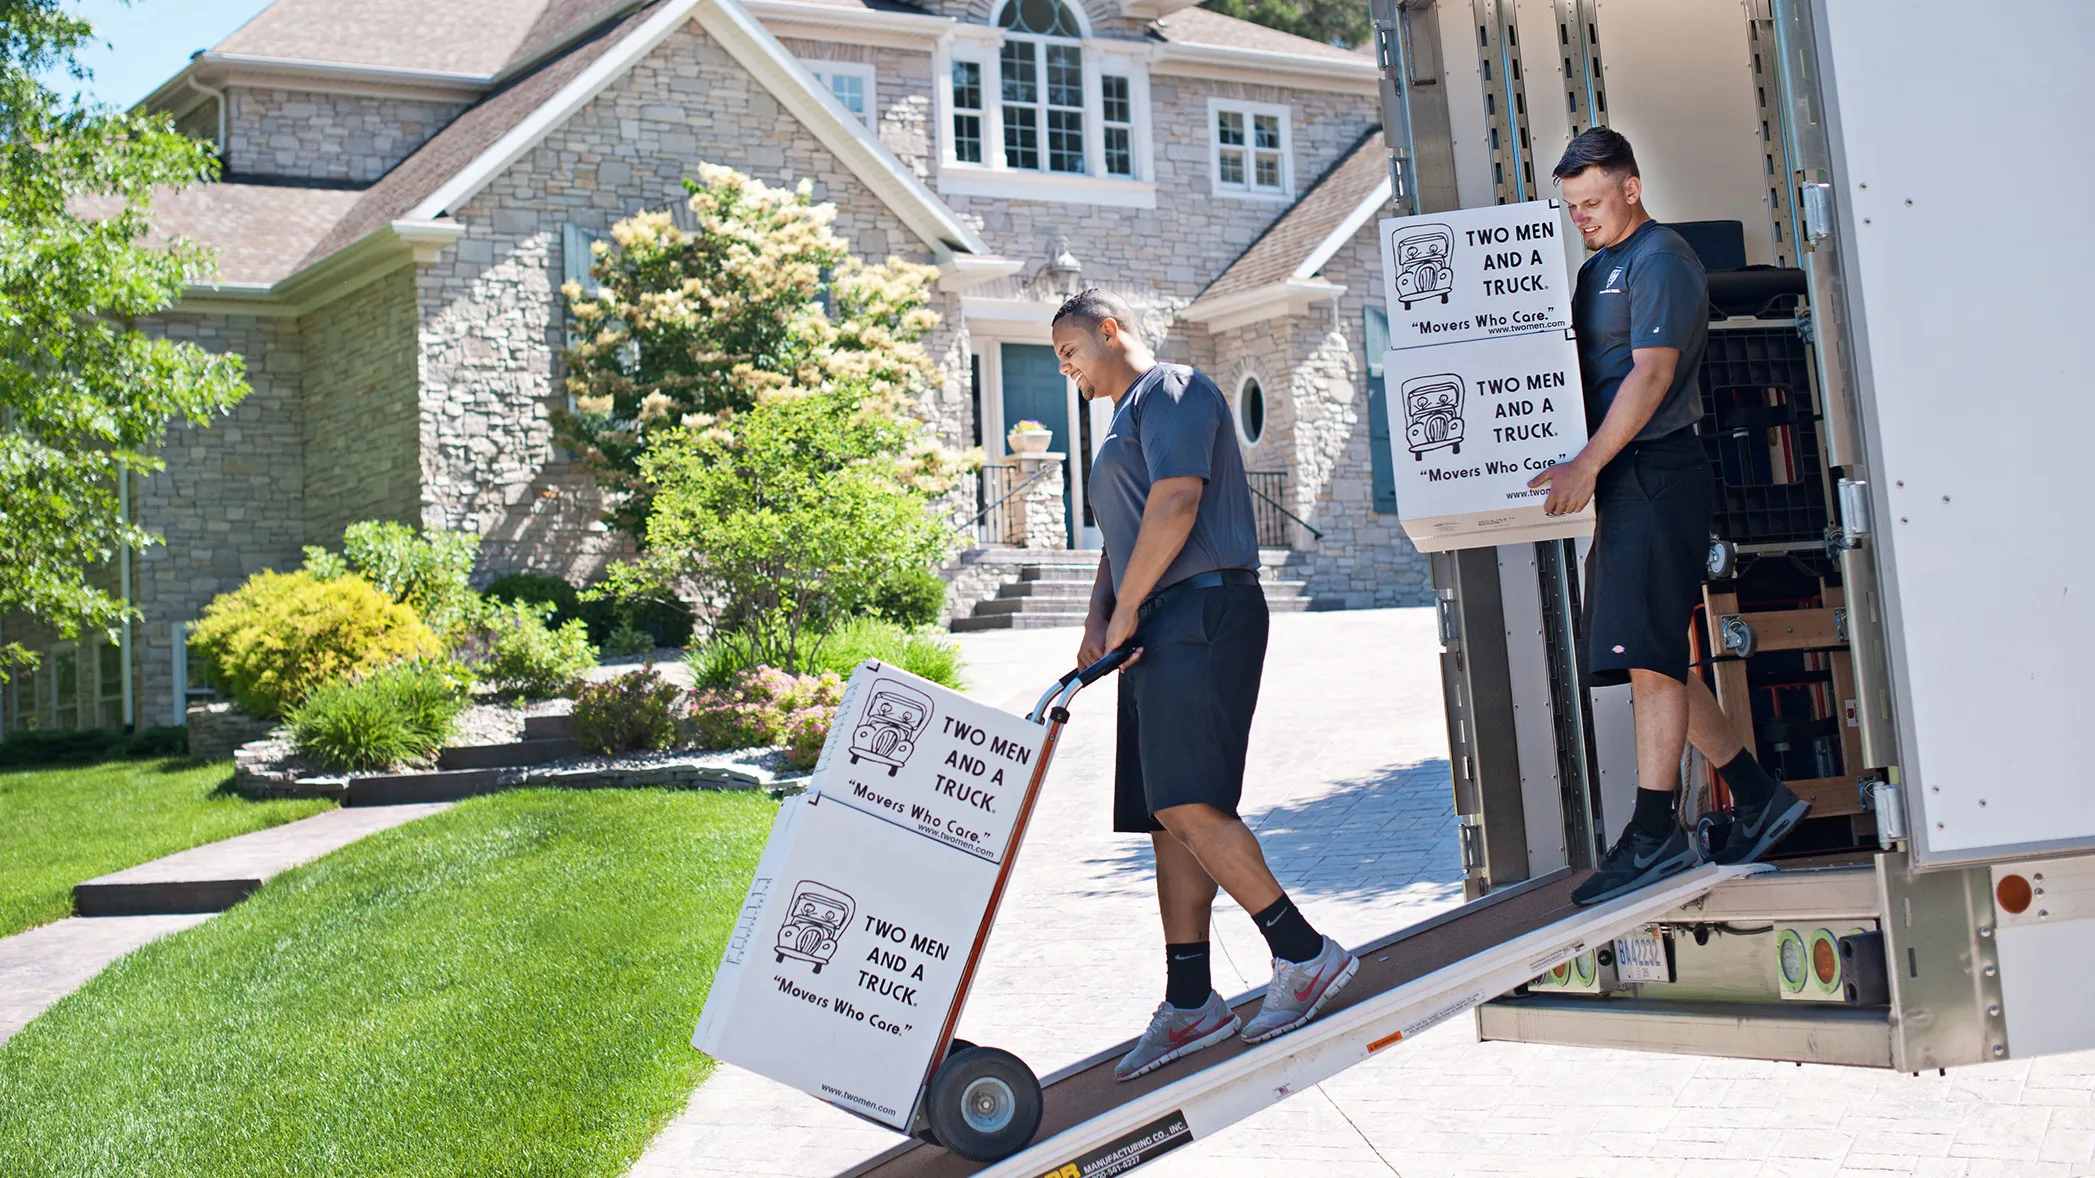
x,y
687,329
784,520
84,394
1335,22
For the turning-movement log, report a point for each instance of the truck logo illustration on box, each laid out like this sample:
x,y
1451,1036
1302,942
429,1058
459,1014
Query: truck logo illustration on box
x,y
887,730
817,917
1457,275
1423,270
1432,413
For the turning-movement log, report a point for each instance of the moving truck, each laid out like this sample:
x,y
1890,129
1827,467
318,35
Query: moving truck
x,y
1897,612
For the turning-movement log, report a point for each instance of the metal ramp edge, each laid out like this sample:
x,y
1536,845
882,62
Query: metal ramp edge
x,y
1460,960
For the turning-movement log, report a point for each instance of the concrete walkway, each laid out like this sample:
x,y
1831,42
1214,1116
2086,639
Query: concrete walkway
x,y
43,965
1349,792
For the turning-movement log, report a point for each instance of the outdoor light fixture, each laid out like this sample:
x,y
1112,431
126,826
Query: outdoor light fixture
x,y
1062,274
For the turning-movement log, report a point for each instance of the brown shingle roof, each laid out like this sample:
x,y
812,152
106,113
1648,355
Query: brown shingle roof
x,y
260,232
476,37
1285,245
471,133
1198,26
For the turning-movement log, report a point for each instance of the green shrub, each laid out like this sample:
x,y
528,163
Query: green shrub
x,y
428,572
789,516
912,598
766,706
628,639
545,589
929,655
280,635
718,662
23,749
637,710
389,717
512,649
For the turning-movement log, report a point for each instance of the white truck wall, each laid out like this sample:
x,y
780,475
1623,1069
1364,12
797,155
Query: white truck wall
x,y
1464,79
1542,71
1680,85
1961,184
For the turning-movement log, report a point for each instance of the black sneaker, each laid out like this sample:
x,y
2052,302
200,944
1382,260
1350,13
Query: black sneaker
x,y
1636,860
1754,829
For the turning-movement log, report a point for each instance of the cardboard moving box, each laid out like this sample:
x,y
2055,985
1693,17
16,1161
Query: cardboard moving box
x,y
847,963
1482,373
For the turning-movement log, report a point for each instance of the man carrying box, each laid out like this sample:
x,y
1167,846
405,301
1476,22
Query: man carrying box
x,y
1641,316
1180,578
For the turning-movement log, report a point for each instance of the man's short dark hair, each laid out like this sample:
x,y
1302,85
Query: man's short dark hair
x,y
1092,306
1600,147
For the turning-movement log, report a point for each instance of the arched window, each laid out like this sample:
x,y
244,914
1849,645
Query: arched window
x,y
1042,70
1251,411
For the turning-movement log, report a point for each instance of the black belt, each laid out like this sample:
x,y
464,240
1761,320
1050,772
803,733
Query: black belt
x,y
1213,580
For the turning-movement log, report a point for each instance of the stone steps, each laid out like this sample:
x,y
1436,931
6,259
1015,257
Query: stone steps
x,y
509,756
1054,590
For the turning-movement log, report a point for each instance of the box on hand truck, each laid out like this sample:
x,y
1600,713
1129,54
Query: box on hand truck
x,y
854,951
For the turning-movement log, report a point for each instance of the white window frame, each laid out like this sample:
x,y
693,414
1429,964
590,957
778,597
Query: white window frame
x,y
1249,111
825,70
982,45
1236,410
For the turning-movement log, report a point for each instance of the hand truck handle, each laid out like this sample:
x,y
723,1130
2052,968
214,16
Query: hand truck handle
x,y
1068,685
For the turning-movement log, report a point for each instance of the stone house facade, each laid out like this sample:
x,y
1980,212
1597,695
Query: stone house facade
x,y
398,212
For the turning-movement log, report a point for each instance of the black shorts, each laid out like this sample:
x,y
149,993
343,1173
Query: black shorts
x,y
1650,555
1185,707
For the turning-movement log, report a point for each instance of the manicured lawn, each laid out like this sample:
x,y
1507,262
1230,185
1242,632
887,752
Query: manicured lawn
x,y
505,988
61,826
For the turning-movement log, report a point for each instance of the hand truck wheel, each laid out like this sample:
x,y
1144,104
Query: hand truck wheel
x,y
1711,834
984,1104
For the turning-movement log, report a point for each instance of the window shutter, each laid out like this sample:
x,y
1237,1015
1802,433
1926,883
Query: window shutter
x,y
1375,339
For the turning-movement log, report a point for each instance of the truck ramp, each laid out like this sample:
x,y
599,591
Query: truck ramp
x,y
1407,982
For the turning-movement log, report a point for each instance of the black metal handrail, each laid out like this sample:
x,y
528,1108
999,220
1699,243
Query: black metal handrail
x,y
1267,511
988,477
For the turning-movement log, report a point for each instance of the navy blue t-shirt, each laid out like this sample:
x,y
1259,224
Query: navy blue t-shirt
x,y
1170,423
1646,291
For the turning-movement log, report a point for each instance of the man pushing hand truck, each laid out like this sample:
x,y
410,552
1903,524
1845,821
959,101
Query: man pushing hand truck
x,y
1179,581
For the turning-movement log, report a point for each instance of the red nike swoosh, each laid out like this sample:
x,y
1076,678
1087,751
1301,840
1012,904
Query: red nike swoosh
x,y
1189,1031
1302,995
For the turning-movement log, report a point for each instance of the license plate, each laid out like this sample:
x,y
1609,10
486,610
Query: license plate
x,y
1641,957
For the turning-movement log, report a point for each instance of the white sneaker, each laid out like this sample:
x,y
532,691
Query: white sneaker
x,y
1299,990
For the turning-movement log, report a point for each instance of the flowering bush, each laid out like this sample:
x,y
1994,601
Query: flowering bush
x,y
683,330
637,710
766,706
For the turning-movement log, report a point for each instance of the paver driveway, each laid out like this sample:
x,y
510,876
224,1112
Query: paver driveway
x,y
1348,788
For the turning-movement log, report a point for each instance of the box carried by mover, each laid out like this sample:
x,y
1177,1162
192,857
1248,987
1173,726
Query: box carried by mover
x,y
1482,372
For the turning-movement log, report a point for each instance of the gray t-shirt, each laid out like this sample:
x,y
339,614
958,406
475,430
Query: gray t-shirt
x,y
1174,422
1647,291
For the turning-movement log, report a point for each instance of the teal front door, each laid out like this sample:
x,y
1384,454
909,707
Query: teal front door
x,y
1036,390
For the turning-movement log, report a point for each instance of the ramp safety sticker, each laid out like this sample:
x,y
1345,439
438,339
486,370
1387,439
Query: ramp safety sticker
x,y
1124,1153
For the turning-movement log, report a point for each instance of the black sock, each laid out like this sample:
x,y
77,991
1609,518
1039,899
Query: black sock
x,y
1186,981
1748,781
1654,812
1287,934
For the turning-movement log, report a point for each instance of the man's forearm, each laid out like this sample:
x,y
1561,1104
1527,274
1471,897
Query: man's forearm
x,y
1635,401
1102,598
